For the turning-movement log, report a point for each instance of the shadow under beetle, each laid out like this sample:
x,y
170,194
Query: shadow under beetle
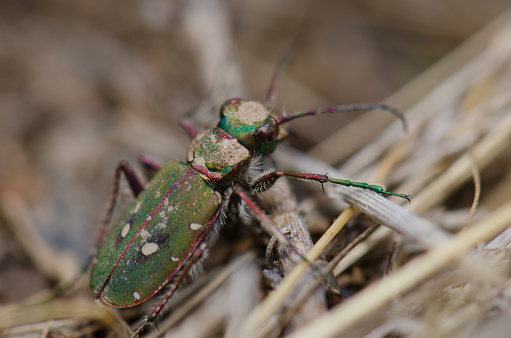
x,y
163,233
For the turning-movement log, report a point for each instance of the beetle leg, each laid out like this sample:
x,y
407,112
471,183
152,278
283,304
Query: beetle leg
x,y
267,180
195,258
186,120
136,187
189,127
150,167
272,229
133,180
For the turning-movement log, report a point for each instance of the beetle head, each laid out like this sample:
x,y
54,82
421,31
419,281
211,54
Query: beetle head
x,y
251,123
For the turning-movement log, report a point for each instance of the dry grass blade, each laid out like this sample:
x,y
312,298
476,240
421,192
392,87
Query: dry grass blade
x,y
483,153
479,135
416,271
54,265
200,296
258,321
437,189
80,309
283,206
476,174
440,87
380,209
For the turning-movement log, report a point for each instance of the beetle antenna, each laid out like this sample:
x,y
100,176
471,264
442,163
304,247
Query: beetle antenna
x,y
271,94
346,108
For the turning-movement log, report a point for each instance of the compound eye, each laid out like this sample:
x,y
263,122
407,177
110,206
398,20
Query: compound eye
x,y
229,105
269,131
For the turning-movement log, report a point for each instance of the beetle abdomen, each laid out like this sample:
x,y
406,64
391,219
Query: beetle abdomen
x,y
155,237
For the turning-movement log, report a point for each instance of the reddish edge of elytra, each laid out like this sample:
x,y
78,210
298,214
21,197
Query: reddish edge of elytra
x,y
158,207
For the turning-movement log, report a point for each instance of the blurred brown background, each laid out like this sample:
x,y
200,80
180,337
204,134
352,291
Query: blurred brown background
x,y
85,84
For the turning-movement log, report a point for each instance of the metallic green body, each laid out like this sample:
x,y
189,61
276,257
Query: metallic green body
x,y
166,223
155,236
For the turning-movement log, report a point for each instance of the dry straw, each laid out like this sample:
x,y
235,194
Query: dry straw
x,y
460,120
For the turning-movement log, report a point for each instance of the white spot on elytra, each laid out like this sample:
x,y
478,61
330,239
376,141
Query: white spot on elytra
x,y
174,259
144,234
195,226
158,193
162,214
161,225
149,218
137,207
125,230
136,295
150,248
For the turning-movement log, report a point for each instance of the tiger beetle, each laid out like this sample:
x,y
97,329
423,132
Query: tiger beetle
x,y
166,229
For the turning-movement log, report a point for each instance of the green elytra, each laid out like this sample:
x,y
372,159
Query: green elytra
x,y
160,230
161,233
154,237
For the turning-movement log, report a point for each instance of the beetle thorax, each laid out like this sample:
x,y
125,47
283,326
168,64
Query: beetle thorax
x,y
217,155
